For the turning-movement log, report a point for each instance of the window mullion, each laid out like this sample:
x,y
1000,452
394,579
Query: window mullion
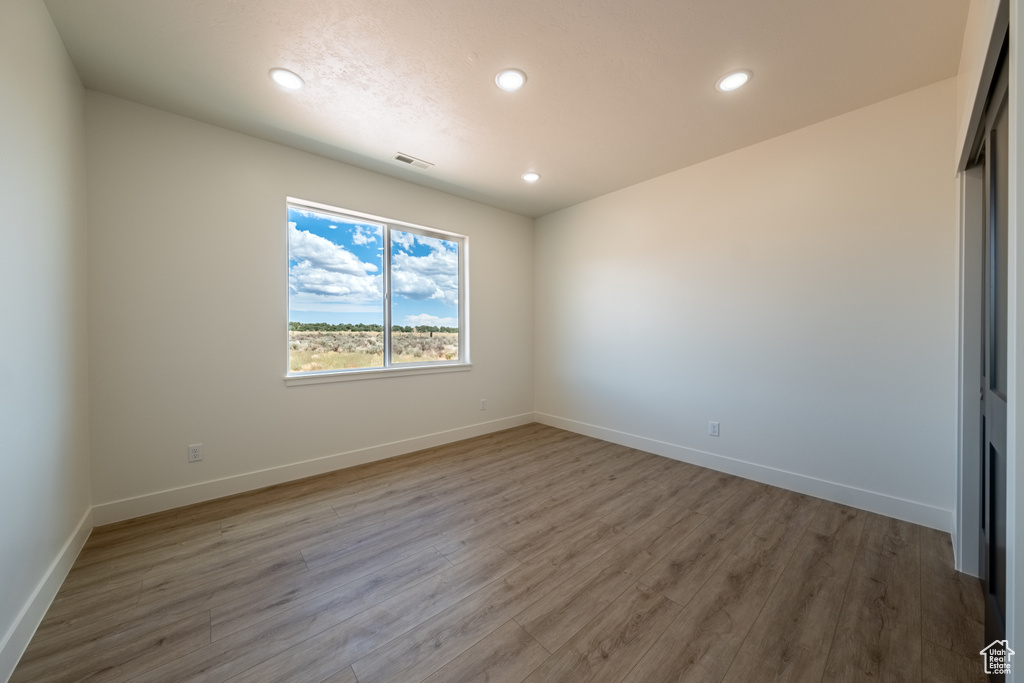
x,y
386,261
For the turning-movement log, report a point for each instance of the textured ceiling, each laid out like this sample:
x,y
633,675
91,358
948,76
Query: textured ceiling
x,y
617,92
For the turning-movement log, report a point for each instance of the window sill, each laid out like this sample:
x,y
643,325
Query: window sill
x,y
352,375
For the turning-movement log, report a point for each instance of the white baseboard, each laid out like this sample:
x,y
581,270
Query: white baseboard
x,y
116,511
17,638
898,508
954,537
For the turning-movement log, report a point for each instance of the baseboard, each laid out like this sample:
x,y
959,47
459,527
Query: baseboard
x,y
954,538
898,508
17,638
116,511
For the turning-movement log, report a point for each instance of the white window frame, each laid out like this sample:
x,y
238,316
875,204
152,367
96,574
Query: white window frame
x,y
388,370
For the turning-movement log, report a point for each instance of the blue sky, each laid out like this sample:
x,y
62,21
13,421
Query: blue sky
x,y
335,273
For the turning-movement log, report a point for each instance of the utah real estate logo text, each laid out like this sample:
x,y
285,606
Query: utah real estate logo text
x,y
997,657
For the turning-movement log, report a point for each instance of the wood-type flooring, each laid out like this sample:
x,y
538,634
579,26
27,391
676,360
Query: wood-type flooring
x,y
532,554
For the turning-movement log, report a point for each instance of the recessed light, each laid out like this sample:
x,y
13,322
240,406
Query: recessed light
x,y
531,176
510,79
732,81
286,79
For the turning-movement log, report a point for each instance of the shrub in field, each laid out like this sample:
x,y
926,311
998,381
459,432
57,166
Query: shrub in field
x,y
419,347
311,350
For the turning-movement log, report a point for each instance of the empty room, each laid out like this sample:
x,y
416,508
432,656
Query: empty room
x,y
584,340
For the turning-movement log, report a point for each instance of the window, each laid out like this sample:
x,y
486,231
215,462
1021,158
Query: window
x,y
370,294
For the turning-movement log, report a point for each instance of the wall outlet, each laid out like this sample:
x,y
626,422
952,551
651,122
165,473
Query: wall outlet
x,y
712,429
195,452
483,404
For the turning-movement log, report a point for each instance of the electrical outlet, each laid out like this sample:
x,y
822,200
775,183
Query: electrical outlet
x,y
195,452
483,404
712,429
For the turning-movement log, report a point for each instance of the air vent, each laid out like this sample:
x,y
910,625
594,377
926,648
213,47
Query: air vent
x,y
412,161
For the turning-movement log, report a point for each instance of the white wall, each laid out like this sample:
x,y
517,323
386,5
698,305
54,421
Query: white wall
x,y
44,488
801,291
187,295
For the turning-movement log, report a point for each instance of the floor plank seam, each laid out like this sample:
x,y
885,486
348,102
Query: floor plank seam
x,y
843,600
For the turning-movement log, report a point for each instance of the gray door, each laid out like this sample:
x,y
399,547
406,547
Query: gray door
x,y
993,371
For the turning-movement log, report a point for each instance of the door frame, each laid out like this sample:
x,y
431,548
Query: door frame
x,y
967,522
967,535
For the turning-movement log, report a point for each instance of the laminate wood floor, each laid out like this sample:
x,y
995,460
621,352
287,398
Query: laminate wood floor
x,y
532,554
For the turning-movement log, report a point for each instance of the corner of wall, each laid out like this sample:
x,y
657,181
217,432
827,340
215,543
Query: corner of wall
x,y
19,635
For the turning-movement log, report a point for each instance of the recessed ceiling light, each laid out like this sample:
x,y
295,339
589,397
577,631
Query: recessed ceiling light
x,y
510,79
286,79
732,81
531,176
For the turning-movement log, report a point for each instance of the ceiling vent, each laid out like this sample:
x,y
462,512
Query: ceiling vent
x,y
412,161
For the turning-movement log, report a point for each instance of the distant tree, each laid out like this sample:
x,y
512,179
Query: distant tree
x,y
328,327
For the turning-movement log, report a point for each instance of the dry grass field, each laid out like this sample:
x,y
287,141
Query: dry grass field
x,y
313,351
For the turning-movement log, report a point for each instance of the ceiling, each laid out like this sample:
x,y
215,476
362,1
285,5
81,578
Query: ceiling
x,y
617,91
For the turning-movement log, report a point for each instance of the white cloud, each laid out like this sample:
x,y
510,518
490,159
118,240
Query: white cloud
x,y
405,240
427,319
327,272
325,254
434,276
362,235
434,243
308,305
306,279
